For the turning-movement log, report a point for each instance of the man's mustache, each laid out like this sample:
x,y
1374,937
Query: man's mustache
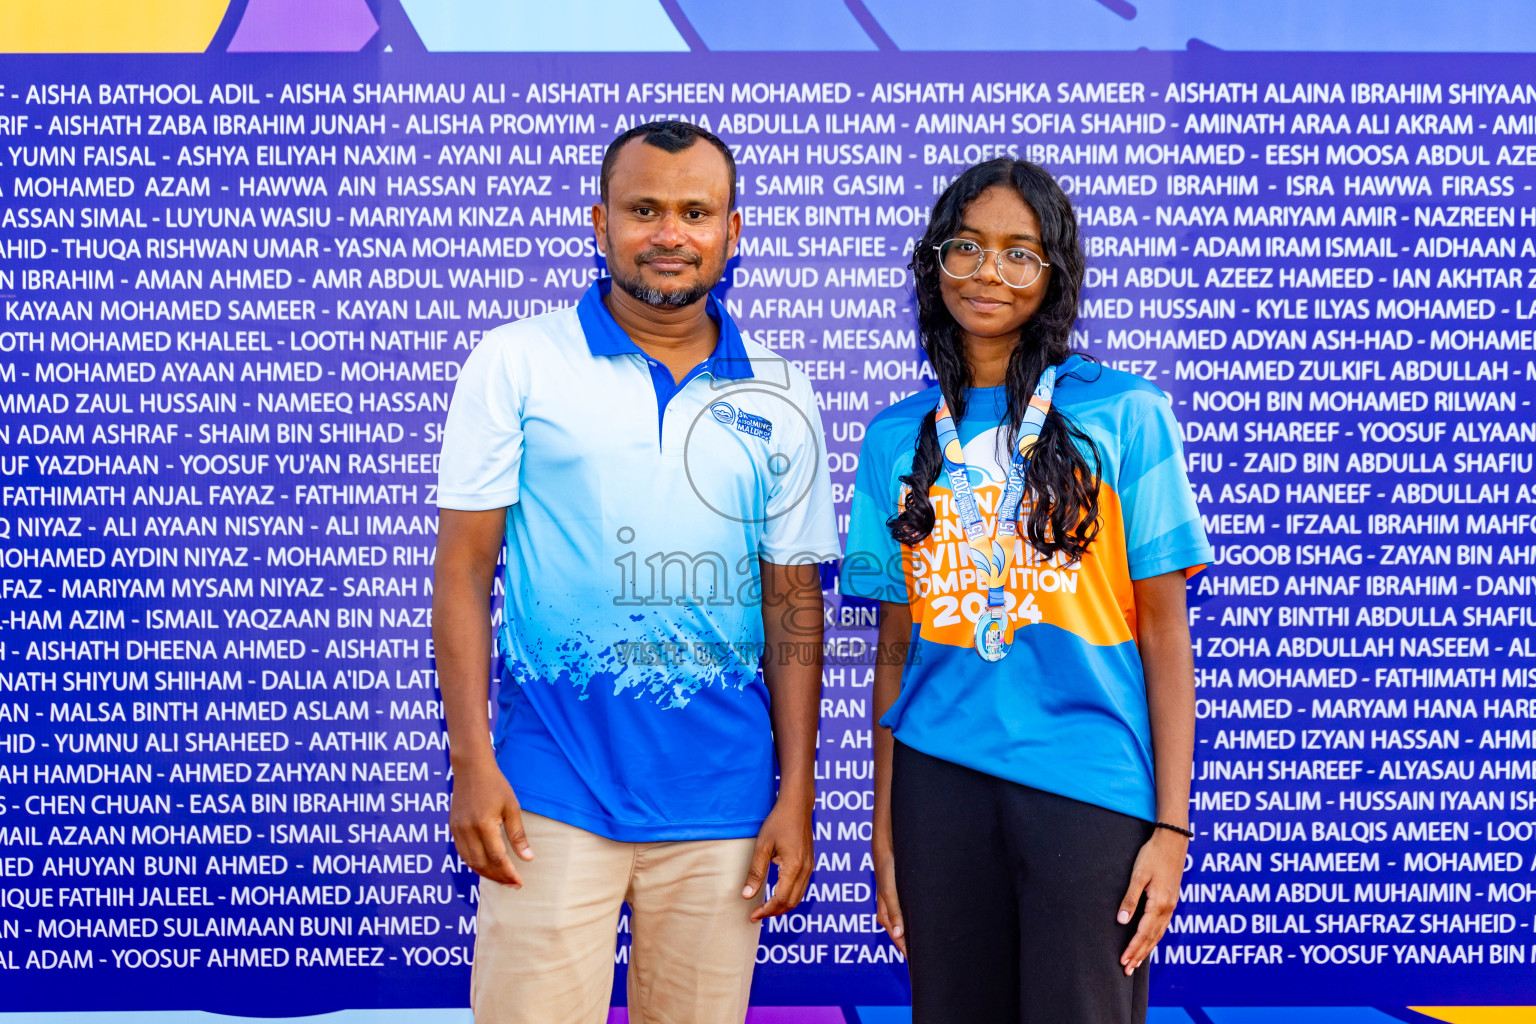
x,y
668,254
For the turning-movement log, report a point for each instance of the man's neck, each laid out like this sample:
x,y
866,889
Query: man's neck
x,y
680,339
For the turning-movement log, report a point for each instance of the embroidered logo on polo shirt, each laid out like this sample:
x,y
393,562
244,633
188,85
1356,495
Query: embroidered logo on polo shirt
x,y
757,426
746,422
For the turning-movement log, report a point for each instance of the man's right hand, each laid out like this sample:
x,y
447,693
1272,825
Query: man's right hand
x,y
484,818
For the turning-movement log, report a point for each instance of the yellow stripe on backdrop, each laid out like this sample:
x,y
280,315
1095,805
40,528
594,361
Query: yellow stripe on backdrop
x,y
109,26
1479,1014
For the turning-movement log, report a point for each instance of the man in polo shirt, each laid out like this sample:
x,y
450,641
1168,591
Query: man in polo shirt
x,y
660,486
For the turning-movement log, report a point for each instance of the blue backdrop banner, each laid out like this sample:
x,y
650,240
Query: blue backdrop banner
x,y
237,286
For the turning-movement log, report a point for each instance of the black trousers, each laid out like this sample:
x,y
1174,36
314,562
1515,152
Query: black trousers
x,y
1009,896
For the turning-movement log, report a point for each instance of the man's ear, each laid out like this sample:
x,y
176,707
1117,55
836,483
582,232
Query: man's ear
x,y
600,226
732,233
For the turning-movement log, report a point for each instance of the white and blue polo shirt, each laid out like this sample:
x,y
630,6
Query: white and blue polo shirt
x,y
631,703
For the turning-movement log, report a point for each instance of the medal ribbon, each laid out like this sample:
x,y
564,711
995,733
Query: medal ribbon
x,y
992,555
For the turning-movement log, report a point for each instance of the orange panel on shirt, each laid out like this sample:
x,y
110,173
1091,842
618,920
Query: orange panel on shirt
x,y
1092,600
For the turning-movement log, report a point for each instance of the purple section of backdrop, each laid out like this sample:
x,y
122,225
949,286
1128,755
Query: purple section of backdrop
x,y
1327,276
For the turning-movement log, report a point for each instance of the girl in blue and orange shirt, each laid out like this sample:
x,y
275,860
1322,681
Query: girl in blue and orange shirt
x,y
1027,526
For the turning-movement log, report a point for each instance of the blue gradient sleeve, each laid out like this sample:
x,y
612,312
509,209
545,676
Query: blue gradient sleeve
x,y
801,523
482,458
1163,531
872,566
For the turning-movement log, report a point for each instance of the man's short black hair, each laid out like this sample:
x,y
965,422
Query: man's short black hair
x,y
671,137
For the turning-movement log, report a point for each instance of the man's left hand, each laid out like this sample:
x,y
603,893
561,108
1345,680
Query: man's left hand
x,y
785,839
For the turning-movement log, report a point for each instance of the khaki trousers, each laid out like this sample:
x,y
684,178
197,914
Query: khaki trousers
x,y
544,954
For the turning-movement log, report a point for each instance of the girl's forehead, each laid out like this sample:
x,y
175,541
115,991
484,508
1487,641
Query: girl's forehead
x,y
1002,210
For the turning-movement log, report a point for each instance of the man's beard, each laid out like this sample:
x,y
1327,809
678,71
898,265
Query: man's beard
x,y
656,297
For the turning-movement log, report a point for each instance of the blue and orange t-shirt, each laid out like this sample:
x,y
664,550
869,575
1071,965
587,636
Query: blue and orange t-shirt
x,y
1066,710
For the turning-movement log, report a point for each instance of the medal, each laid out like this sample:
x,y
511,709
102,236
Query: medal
x,y
990,643
992,556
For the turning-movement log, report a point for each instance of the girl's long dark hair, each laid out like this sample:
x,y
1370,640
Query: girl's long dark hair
x,y
1062,489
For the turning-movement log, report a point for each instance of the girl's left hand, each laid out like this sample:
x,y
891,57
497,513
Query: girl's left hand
x,y
1158,869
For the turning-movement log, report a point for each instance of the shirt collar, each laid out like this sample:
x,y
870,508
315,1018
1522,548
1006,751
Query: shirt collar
x,y
606,338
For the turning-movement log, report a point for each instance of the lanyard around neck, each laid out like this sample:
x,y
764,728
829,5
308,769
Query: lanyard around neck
x,y
992,555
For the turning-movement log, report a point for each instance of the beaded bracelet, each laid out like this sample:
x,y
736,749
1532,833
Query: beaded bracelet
x,y
1186,833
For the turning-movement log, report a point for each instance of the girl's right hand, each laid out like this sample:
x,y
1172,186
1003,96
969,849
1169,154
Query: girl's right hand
x,y
887,907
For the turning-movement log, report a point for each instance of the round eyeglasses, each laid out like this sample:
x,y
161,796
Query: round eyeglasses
x,y
961,258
